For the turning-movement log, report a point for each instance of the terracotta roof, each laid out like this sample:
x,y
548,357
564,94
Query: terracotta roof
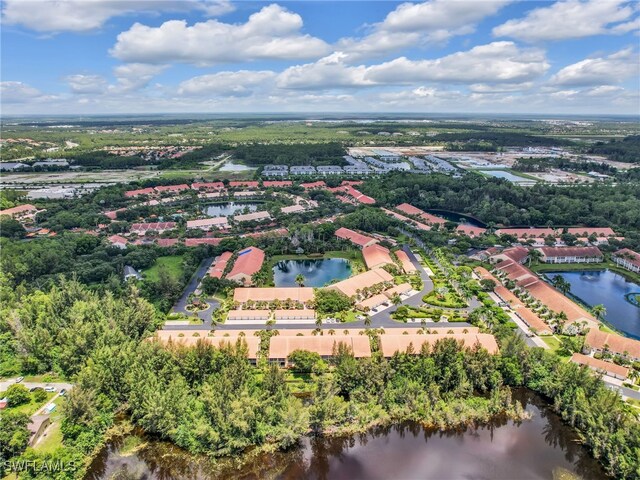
x,y
208,186
355,237
366,279
406,263
268,294
409,221
277,183
586,231
166,242
113,239
600,365
409,209
292,209
597,339
18,209
249,261
470,230
248,217
276,232
172,188
142,191
194,242
376,256
219,265
399,289
526,232
245,184
390,344
188,339
373,302
143,227
629,255
570,251
517,254
282,346
208,222
309,185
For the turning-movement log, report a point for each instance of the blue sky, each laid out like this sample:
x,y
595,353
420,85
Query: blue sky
x,y
466,56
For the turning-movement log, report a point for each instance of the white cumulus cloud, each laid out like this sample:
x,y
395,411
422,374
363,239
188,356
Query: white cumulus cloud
x,y
272,33
86,15
569,19
612,69
232,84
85,84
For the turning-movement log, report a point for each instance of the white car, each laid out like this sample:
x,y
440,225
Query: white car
x,y
49,389
19,379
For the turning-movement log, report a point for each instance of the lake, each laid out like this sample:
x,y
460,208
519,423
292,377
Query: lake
x,y
235,167
229,208
540,448
460,218
316,272
608,288
508,176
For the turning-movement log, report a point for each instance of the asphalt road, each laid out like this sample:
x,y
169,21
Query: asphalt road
x,y
4,384
183,301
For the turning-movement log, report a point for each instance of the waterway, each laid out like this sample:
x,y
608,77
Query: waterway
x,y
457,217
594,287
229,208
540,448
316,272
235,167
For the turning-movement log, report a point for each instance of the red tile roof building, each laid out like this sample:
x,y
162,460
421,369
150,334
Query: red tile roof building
x,y
376,256
599,341
208,186
470,230
277,183
118,241
194,242
570,254
136,193
312,185
208,223
172,188
219,265
142,228
249,261
517,254
244,184
628,259
415,211
406,263
166,242
20,211
355,237
392,344
600,366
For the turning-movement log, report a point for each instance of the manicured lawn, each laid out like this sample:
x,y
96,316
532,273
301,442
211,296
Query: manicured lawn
x,y
31,407
52,439
572,267
554,345
173,264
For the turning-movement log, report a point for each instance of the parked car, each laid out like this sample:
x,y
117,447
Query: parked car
x,y
19,379
49,389
63,392
33,389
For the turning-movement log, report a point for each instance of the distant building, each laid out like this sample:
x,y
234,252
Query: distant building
x,y
36,426
130,272
208,223
627,259
376,256
362,169
330,170
118,241
21,211
355,237
252,217
570,254
303,170
13,166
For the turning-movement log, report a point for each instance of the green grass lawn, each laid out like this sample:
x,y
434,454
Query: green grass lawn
x,y
31,407
572,267
554,344
173,264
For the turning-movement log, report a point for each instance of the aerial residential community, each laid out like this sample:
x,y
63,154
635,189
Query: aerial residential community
x,y
325,240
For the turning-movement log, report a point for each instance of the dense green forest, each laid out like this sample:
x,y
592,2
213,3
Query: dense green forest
x,y
297,154
545,164
626,150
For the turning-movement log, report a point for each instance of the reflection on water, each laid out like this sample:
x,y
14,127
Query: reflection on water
x,y
316,273
229,208
608,288
458,217
503,449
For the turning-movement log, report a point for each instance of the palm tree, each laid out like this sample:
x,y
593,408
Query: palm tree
x,y
331,331
600,311
395,299
561,284
367,320
534,255
300,280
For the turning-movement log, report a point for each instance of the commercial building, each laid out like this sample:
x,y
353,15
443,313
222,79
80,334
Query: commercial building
x,y
351,286
376,256
570,254
355,237
627,259
249,261
600,366
392,344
